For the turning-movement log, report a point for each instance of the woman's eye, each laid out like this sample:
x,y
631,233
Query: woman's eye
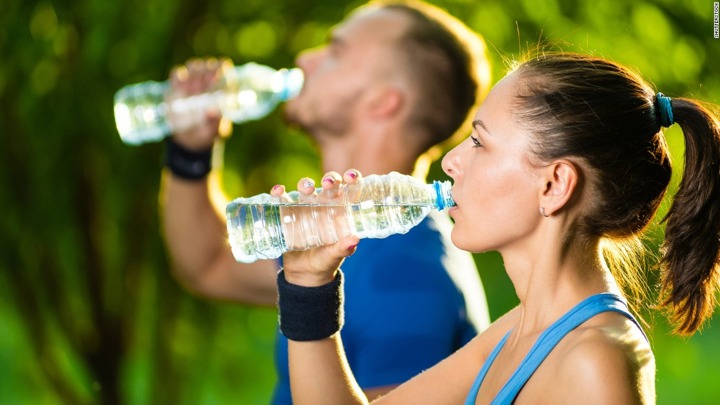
x,y
476,142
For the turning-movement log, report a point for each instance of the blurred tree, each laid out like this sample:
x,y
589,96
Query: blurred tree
x,y
91,314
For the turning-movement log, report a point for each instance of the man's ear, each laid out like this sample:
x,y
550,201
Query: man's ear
x,y
385,101
560,183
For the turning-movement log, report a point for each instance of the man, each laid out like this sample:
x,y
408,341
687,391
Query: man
x,y
394,81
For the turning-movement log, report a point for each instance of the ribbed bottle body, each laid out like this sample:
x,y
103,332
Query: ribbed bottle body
x,y
264,227
148,111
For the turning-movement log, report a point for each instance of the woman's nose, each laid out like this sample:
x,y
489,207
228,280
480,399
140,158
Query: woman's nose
x,y
450,163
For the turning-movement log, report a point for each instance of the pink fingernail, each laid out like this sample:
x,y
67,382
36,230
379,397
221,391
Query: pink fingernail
x,y
352,247
328,179
277,186
352,174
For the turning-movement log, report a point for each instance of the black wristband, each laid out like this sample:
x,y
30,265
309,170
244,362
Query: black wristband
x,y
187,164
310,313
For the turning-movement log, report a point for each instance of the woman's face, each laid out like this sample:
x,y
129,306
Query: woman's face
x,y
496,188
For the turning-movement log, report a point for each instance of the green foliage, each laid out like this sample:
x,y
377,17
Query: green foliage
x,y
91,313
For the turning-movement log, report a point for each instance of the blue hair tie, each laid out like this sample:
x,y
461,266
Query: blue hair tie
x,y
664,110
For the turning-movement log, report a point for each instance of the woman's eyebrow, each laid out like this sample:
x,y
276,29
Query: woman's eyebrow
x,y
479,123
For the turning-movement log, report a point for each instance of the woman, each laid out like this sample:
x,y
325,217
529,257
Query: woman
x,y
566,166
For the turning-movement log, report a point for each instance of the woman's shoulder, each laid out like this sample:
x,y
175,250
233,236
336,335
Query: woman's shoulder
x,y
607,358
608,334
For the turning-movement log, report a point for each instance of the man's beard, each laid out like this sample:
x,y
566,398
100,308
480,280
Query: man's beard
x,y
334,123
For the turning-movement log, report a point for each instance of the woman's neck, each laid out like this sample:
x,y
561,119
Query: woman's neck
x,y
555,279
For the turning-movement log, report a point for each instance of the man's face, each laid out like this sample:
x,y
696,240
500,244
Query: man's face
x,y
338,75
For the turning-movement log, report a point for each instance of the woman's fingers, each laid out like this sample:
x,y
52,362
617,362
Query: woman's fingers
x,y
318,266
352,176
348,245
277,190
331,180
306,185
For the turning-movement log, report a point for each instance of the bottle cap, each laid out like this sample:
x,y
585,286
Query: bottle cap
x,y
443,195
292,82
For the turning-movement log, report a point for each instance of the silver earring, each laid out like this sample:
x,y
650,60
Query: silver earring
x,y
542,212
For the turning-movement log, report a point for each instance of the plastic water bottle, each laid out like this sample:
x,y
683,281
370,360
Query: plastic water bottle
x,y
264,227
147,112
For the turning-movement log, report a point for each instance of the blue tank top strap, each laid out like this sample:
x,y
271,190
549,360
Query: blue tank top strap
x,y
470,400
591,306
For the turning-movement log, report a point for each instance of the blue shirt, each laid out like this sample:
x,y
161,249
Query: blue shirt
x,y
406,300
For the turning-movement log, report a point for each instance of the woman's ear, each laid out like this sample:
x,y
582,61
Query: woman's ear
x,y
561,180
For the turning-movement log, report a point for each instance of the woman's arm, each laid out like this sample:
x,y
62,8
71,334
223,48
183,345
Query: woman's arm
x,y
319,371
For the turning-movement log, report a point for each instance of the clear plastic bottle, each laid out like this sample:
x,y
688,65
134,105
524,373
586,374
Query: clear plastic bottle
x,y
147,112
264,227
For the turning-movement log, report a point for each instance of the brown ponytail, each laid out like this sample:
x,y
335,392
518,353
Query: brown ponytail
x,y
610,120
691,252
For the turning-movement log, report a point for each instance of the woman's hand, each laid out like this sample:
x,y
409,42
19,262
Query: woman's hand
x,y
318,266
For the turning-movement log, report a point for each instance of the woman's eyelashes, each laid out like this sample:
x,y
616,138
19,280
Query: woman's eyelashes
x,y
476,142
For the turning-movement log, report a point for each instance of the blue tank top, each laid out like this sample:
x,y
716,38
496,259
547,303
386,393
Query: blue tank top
x,y
591,306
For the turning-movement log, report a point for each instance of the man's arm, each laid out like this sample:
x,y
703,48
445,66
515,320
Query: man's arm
x,y
196,238
192,212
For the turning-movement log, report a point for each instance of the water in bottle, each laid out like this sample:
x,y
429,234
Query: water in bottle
x,y
264,227
148,112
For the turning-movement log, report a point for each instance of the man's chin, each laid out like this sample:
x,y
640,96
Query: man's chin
x,y
288,115
290,110
291,119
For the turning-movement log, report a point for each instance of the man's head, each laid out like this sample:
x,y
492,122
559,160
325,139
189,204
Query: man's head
x,y
404,62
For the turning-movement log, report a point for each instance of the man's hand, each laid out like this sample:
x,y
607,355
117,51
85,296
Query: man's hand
x,y
196,128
